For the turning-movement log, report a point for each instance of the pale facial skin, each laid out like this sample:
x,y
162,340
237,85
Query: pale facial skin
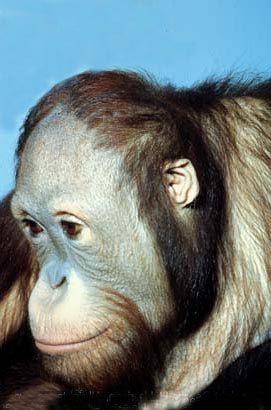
x,y
102,292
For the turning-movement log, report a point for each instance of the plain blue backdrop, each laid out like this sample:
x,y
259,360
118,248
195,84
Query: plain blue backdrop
x,y
45,41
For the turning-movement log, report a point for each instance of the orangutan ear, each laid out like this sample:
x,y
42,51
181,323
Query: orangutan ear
x,y
181,182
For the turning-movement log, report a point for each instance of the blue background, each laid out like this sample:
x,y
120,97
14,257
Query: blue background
x,y
45,41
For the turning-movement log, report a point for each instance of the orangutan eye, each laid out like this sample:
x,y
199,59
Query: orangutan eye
x,y
71,229
32,227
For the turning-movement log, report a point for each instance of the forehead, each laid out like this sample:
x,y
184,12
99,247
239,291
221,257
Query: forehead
x,y
60,158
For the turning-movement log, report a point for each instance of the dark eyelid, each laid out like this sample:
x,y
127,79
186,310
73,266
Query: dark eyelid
x,y
33,227
68,214
22,215
25,217
66,224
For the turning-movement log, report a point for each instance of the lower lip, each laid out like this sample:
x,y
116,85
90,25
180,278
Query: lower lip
x,y
67,347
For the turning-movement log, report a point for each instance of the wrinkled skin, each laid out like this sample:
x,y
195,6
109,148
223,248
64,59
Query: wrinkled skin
x,y
99,298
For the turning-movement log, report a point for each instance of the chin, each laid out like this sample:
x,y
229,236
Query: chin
x,y
96,364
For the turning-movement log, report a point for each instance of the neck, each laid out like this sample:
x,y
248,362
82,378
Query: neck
x,y
239,321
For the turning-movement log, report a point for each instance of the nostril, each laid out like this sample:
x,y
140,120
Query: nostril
x,y
62,281
56,281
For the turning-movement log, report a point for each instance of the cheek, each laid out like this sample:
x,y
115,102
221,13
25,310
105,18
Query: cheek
x,y
134,268
141,278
